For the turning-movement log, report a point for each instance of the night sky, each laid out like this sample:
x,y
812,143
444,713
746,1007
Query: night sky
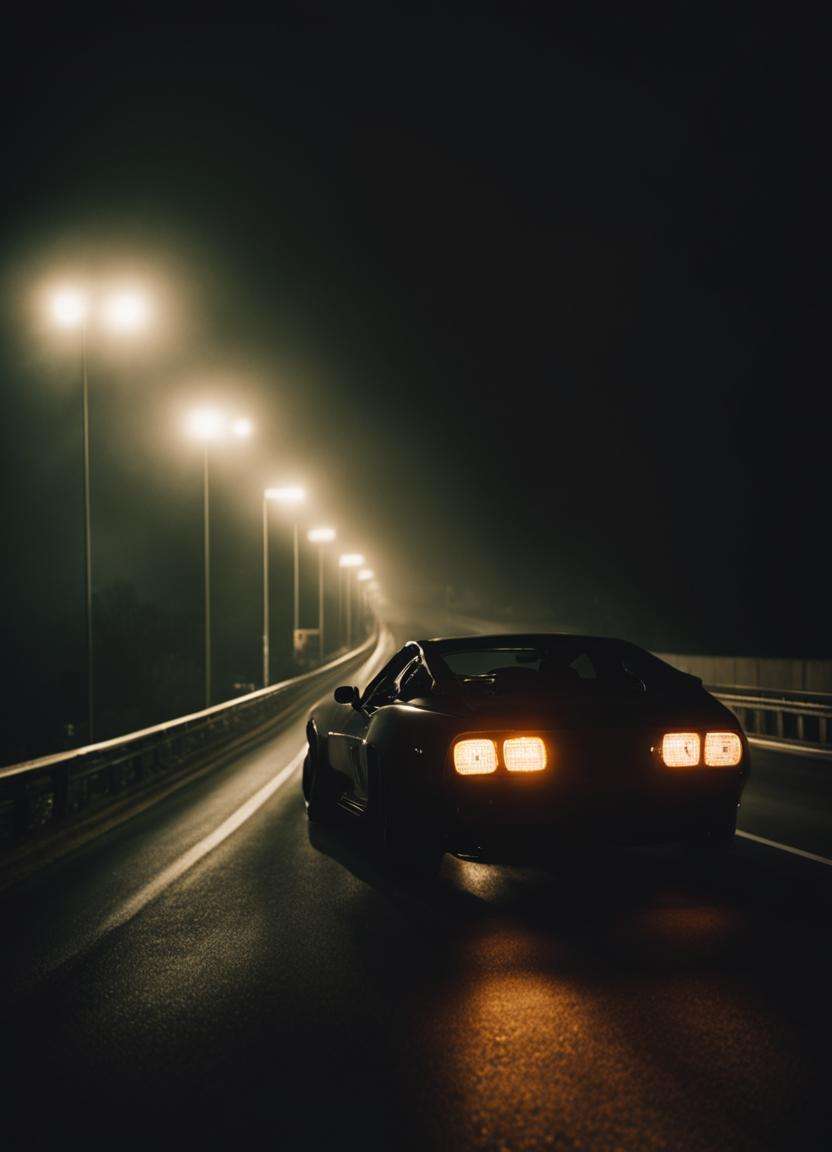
x,y
536,306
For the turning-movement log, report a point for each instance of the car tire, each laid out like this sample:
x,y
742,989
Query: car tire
x,y
319,790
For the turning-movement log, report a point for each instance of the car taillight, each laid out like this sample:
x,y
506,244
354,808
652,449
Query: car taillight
x,y
722,749
475,757
681,749
524,754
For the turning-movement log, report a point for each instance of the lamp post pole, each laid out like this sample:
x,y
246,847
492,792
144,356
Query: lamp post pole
x,y
321,536
349,608
207,426
296,567
290,495
321,602
265,592
85,415
124,312
206,542
363,577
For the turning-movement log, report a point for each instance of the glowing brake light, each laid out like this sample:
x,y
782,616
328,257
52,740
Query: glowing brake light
x,y
475,757
524,754
681,749
722,749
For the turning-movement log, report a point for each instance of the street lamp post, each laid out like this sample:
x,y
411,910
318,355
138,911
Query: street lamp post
x,y
290,495
295,582
348,587
321,536
85,418
122,312
265,535
209,426
348,561
206,568
363,576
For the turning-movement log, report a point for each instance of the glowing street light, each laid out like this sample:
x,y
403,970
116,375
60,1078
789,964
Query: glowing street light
x,y
125,311
205,424
208,426
72,308
211,424
351,560
321,536
365,574
69,308
288,496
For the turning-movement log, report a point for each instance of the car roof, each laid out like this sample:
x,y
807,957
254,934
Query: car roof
x,y
511,640
568,643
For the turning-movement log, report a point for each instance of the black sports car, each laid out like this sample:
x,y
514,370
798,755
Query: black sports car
x,y
503,747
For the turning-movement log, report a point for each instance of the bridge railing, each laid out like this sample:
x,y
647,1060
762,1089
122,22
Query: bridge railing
x,y
38,793
799,719
783,702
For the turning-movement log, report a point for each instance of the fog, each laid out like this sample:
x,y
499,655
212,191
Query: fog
x,y
529,308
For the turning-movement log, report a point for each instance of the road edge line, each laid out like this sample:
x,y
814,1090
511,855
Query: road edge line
x,y
201,849
175,870
785,848
784,746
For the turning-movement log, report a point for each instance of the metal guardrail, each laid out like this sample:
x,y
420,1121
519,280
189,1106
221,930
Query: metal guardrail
x,y
792,719
40,792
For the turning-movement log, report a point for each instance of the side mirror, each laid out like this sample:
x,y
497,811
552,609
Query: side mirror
x,y
347,694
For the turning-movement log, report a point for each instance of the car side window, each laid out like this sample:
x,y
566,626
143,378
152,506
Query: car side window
x,y
584,666
653,673
383,685
414,681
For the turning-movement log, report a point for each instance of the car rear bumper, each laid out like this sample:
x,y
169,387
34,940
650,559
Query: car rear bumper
x,y
619,820
601,786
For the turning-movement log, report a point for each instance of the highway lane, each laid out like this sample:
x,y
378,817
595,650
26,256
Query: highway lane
x,y
64,908
789,799
283,987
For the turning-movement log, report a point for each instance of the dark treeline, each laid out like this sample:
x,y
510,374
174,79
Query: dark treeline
x,y
148,667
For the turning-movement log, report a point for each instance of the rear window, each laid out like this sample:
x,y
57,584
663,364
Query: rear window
x,y
561,666
483,663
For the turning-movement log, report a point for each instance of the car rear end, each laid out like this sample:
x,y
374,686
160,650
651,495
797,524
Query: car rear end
x,y
512,794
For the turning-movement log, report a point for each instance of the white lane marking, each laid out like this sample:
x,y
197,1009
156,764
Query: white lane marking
x,y
784,746
201,849
784,847
230,825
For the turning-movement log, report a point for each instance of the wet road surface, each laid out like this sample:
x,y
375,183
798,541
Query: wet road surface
x,y
283,987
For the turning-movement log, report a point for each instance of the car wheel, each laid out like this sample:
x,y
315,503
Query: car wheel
x,y
319,790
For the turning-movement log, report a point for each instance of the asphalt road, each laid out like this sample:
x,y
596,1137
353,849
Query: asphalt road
x,y
174,984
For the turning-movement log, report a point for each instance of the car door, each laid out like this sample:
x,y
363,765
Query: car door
x,y
346,742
